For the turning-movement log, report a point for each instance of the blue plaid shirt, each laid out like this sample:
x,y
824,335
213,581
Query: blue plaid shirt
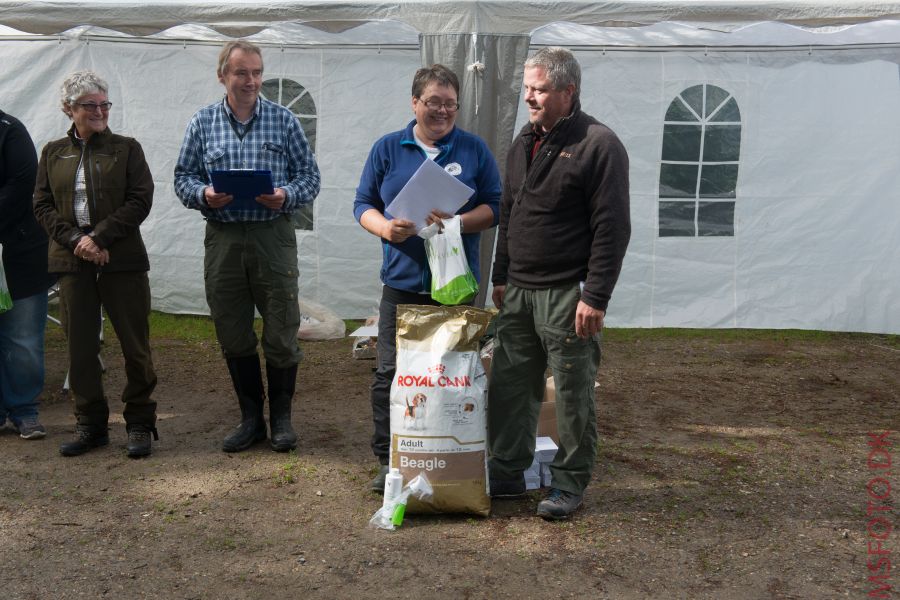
x,y
272,140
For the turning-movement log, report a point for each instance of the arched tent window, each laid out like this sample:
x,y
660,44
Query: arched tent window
x,y
296,99
700,152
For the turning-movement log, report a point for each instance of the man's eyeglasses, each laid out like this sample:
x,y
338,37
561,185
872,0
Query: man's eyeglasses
x,y
91,107
437,104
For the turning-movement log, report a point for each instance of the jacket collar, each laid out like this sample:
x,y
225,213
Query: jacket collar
x,y
445,143
529,132
257,109
105,134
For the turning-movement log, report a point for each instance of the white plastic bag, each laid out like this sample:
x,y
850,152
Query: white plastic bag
x,y
318,322
452,282
390,515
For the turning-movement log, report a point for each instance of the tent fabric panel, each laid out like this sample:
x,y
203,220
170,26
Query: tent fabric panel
x,y
242,18
816,228
156,88
487,99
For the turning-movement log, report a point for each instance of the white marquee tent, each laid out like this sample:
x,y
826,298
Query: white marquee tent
x,y
764,136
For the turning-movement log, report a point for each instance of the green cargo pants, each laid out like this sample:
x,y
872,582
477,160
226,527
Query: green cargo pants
x,y
251,266
536,328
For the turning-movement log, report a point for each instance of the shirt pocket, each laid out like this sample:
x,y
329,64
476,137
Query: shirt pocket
x,y
214,159
273,157
107,179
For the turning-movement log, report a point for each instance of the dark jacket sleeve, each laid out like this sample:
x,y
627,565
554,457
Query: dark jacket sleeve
x,y
18,167
501,253
127,218
46,210
610,221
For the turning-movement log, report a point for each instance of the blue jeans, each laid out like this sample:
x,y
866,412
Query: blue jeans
x,y
22,357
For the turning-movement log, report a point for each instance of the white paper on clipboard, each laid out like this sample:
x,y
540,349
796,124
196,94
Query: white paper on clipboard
x,y
430,188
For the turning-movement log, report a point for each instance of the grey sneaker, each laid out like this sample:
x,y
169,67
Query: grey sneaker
x,y
507,488
29,428
558,505
377,484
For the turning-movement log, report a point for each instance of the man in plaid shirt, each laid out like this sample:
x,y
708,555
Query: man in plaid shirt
x,y
251,252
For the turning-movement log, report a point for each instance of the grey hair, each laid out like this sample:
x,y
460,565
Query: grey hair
x,y
561,67
78,84
230,47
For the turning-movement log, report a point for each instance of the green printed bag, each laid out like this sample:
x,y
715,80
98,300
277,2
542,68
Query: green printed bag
x,y
452,281
5,298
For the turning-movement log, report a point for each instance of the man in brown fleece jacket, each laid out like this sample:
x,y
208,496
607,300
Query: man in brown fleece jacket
x,y
564,228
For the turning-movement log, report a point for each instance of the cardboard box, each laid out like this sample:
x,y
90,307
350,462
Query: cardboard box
x,y
486,363
550,390
547,417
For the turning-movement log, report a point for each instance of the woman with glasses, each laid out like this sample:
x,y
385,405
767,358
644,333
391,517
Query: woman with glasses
x,y
93,191
431,135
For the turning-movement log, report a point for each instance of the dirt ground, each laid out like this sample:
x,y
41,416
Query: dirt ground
x,y
727,469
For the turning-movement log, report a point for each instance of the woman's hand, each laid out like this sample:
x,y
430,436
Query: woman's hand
x,y
87,249
397,230
435,216
101,258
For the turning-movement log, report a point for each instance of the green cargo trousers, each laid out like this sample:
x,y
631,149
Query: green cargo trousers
x,y
249,266
536,328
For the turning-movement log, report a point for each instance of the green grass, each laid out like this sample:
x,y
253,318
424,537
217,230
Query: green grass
x,y
188,328
724,335
199,328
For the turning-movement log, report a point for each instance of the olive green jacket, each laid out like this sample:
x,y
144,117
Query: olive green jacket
x,y
120,194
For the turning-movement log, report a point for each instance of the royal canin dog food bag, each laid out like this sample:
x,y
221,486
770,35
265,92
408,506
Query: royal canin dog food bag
x,y
439,406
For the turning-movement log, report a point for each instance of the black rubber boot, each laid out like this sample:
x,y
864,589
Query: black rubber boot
x,y
86,438
281,395
246,376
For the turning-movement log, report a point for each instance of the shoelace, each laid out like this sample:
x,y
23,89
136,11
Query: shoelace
x,y
556,495
144,434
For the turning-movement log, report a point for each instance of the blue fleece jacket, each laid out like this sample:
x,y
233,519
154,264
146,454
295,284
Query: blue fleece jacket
x,y
391,163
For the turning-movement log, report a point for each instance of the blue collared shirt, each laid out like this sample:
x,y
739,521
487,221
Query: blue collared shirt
x,y
271,140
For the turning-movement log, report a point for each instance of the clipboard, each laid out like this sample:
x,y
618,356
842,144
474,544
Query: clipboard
x,y
245,185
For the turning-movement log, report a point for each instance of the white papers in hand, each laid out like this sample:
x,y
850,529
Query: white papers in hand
x,y
430,188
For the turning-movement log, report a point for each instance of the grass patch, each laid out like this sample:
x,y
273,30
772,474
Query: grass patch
x,y
188,328
723,335
292,469
199,328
